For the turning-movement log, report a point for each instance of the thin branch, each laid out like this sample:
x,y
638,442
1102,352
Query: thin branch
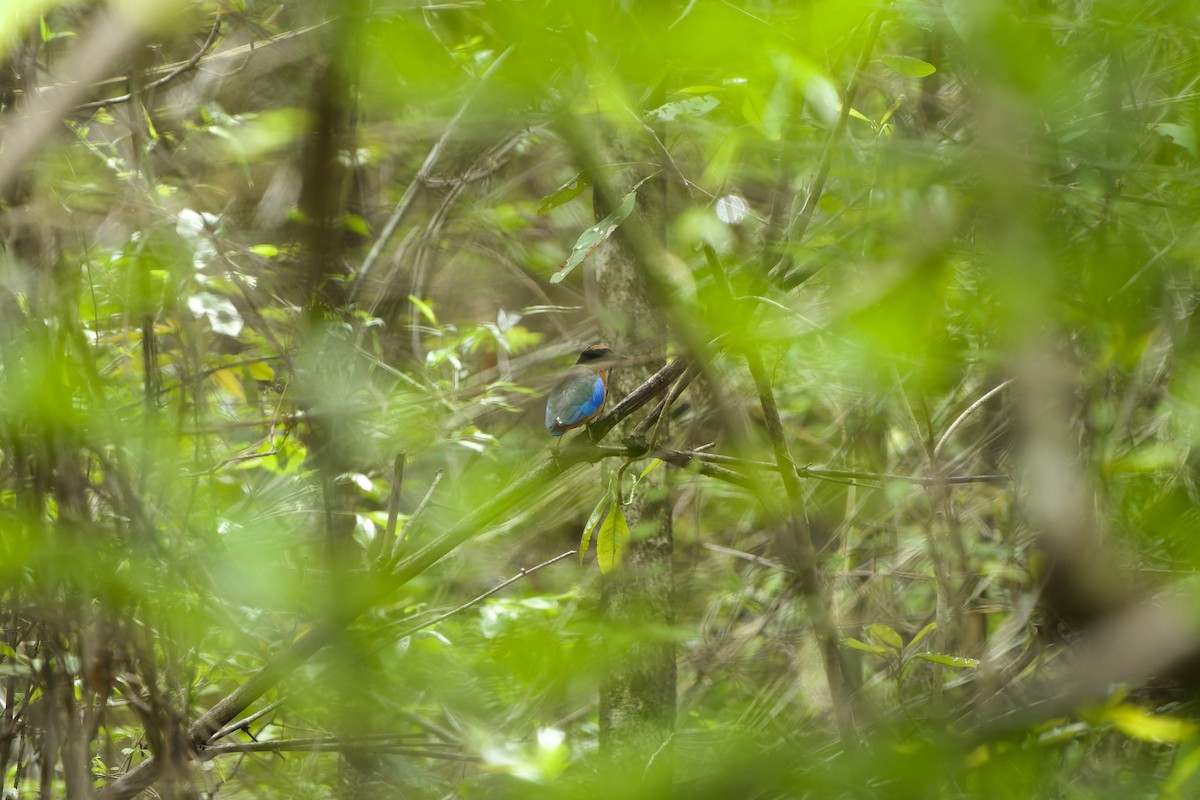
x,y
165,79
524,571
410,192
953,480
954,425
655,385
393,507
753,559
325,744
827,473
822,616
689,462
412,520
655,417
245,722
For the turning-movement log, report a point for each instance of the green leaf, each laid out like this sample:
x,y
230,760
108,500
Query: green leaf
x,y
912,67
921,634
1182,135
885,635
356,224
754,106
592,522
959,662
265,250
425,309
1152,457
1138,723
565,193
873,649
854,112
654,464
1186,766
892,109
612,539
692,107
595,236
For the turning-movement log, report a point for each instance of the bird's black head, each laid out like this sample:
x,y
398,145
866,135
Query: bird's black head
x,y
594,353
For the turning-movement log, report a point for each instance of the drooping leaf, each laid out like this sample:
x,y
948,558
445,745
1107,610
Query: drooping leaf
x,y
260,371
592,521
854,112
595,236
612,539
425,309
754,106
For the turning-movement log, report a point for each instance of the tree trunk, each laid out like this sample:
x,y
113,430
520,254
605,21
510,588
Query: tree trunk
x,y
637,693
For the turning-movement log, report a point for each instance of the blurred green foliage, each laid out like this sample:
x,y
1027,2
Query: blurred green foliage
x,y
205,378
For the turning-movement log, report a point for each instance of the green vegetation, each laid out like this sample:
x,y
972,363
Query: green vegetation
x,y
904,507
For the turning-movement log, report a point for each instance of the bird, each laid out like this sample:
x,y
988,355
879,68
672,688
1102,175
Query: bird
x,y
578,397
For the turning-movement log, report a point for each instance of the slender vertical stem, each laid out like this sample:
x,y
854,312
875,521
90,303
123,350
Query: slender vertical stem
x,y
820,608
817,187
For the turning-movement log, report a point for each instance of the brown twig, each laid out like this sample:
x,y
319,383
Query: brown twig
x,y
324,744
689,462
412,520
393,507
165,79
245,722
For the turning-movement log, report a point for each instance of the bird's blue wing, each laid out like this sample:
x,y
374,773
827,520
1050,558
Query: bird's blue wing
x,y
574,401
595,402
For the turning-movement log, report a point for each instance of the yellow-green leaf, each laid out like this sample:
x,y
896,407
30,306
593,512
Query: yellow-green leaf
x,y
909,66
921,634
612,539
958,662
592,522
227,380
653,465
885,635
1138,723
873,649
261,371
425,309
